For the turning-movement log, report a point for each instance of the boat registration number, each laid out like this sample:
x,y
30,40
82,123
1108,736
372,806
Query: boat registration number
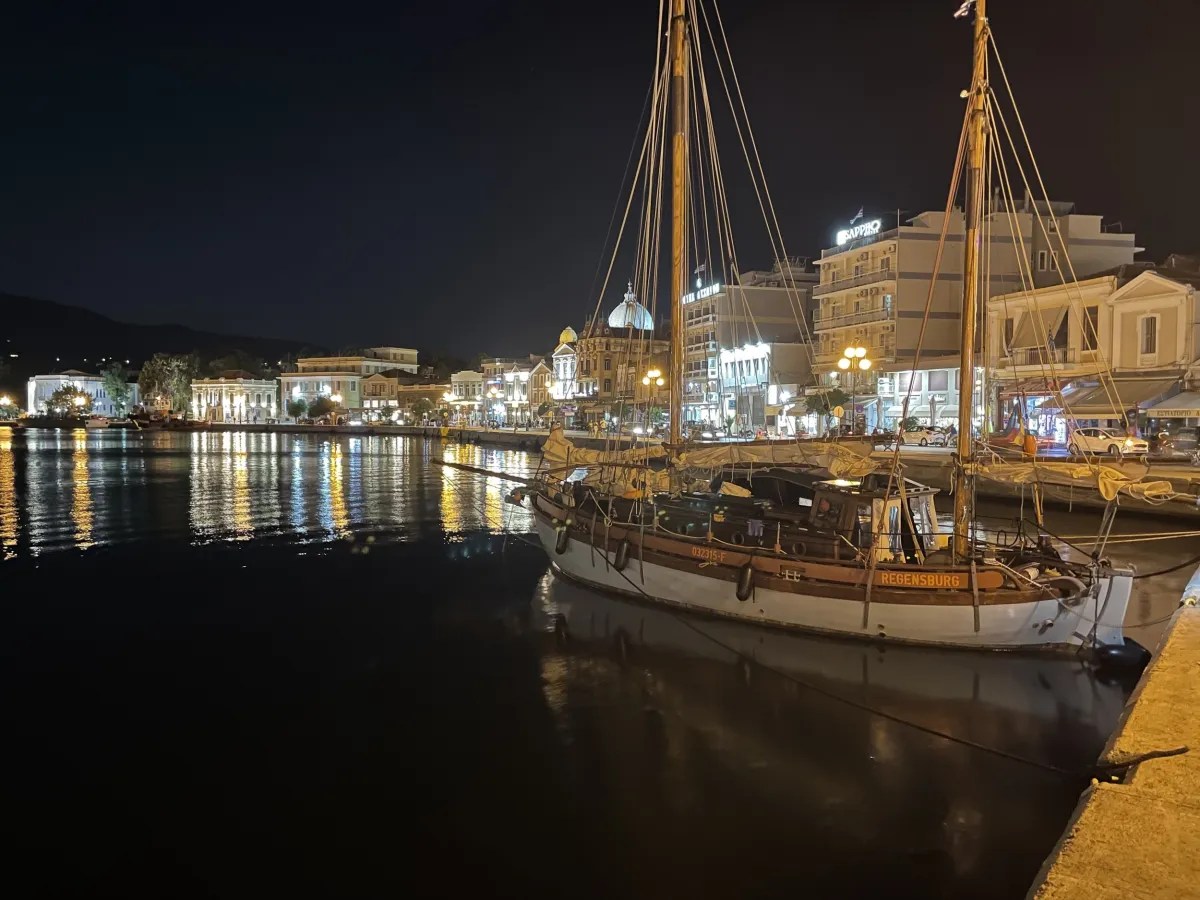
x,y
709,554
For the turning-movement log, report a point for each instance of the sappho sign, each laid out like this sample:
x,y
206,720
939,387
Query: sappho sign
x,y
866,229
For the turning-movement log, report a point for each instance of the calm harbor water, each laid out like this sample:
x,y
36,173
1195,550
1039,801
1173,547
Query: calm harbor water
x,y
248,664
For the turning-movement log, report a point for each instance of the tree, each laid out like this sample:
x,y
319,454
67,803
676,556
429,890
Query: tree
x,y
116,384
168,376
69,401
296,407
544,409
910,423
420,407
322,406
655,416
826,401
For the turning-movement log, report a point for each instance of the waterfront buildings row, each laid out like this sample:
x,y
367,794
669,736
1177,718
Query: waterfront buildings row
x,y
756,351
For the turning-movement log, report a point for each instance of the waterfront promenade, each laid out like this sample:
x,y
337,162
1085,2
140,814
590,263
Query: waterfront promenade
x,y
1138,834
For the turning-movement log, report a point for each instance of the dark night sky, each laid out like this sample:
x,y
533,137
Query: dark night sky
x,y
441,175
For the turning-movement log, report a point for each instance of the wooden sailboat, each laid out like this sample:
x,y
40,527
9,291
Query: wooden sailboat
x,y
810,535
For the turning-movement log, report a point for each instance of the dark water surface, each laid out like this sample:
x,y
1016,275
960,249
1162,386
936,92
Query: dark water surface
x,y
266,665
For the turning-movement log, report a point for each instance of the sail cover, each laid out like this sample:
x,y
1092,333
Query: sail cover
x,y
560,453
1109,482
838,460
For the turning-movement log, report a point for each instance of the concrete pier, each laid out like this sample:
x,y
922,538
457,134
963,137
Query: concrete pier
x,y
1140,837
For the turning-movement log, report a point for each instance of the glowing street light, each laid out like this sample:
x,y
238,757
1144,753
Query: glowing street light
x,y
336,398
854,357
654,375
79,401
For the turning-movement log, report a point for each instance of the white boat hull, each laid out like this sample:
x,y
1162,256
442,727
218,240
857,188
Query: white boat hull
x,y
1043,624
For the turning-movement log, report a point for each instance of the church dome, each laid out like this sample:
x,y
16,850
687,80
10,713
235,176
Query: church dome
x,y
631,313
568,336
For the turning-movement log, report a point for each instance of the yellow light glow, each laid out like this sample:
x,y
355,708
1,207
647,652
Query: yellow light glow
x,y
864,364
843,363
849,352
860,352
646,380
660,382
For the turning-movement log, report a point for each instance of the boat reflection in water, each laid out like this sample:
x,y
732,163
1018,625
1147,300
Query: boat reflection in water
x,y
821,728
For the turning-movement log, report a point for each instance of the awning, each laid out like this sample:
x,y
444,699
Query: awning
x,y
1112,399
1181,406
1037,327
893,411
947,412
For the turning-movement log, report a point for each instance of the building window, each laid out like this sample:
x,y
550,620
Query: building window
x,y
885,264
1041,260
607,364
1054,260
939,380
1009,324
857,271
607,385
1149,329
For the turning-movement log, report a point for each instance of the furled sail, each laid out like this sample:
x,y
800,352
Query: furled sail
x,y
1109,482
840,461
559,453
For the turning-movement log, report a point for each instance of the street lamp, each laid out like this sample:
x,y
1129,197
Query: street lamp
x,y
654,375
854,358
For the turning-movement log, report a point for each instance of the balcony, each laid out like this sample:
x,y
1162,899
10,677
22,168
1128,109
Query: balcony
x,y
832,287
1039,356
826,319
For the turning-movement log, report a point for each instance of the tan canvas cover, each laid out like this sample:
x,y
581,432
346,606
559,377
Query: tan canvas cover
x,y
1109,482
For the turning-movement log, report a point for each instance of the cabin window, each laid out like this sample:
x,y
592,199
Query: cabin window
x,y
894,541
920,508
827,510
862,526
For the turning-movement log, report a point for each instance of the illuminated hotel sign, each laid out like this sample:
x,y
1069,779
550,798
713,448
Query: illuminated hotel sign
x,y
866,229
702,293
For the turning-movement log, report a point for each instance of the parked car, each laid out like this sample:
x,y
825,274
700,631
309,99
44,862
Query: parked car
x,y
924,437
1105,440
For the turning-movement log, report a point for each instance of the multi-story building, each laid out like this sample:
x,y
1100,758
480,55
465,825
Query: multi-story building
x,y
409,395
875,284
342,376
41,387
540,381
379,396
564,364
467,388
773,306
1109,350
626,336
234,397
762,385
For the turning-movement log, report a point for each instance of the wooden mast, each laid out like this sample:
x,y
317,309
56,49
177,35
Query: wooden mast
x,y
963,507
679,75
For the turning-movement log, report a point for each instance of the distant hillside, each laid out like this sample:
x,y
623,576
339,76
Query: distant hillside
x,y
50,336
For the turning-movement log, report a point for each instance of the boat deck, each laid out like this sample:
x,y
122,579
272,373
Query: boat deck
x,y
1141,837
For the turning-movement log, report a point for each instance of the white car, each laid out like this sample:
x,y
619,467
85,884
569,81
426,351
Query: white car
x,y
1105,440
924,437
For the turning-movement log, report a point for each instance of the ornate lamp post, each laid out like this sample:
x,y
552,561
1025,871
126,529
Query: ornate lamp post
x,y
854,358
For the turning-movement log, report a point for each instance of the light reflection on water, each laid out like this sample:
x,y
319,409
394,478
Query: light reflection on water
x,y
63,489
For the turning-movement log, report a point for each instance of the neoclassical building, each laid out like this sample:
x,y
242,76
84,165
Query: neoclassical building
x,y
235,396
627,337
